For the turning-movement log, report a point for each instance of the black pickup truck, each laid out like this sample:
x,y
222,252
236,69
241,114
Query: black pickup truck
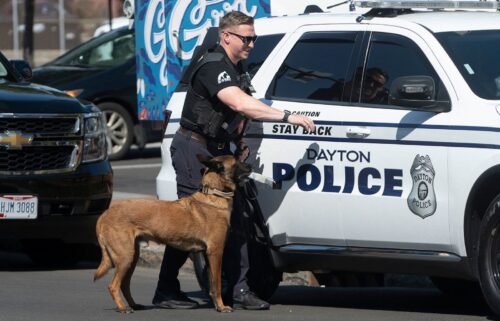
x,y
55,178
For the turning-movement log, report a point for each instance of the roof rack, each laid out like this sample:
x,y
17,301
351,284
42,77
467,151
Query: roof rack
x,y
443,4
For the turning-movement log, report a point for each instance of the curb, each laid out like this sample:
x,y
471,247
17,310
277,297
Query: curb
x,y
152,254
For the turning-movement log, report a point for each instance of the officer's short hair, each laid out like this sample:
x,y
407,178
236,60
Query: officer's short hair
x,y
234,19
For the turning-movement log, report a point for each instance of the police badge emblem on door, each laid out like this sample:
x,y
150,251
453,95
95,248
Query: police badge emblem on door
x,y
422,199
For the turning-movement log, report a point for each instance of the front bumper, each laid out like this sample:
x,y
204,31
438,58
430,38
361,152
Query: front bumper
x,y
68,203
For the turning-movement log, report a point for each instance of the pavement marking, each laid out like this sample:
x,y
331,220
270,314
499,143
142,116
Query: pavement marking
x,y
134,166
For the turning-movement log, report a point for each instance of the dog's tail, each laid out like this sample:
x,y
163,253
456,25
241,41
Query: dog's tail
x,y
106,262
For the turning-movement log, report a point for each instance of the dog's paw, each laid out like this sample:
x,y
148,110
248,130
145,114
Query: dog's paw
x,y
225,309
126,310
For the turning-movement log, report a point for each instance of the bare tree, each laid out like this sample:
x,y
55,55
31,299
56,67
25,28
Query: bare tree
x,y
28,42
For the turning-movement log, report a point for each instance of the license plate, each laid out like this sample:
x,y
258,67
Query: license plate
x,y
18,207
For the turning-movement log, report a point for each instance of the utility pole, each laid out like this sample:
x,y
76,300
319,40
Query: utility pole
x,y
110,14
28,43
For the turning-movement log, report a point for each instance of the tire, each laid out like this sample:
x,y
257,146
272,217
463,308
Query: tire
x,y
456,287
120,129
488,259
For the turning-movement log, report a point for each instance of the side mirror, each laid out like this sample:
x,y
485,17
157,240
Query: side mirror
x,y
416,91
23,68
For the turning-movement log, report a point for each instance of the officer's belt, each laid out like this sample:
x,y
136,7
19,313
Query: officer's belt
x,y
202,139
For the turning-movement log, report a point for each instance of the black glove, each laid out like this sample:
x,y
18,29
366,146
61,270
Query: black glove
x,y
242,151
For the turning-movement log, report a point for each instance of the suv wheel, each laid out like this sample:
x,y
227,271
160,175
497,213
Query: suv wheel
x,y
120,129
489,255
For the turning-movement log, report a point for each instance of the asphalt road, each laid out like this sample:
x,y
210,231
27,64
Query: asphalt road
x,y
135,175
28,292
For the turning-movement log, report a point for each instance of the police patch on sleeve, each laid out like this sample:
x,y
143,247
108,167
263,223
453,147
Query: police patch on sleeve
x,y
422,199
223,77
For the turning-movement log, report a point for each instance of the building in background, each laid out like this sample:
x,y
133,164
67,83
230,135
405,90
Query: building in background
x,y
59,25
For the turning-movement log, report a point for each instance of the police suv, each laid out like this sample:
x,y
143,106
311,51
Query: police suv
x,y
401,174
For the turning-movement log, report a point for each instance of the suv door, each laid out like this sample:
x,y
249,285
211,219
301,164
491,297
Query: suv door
x,y
306,78
399,194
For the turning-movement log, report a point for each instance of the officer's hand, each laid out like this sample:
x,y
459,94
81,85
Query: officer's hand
x,y
303,121
242,151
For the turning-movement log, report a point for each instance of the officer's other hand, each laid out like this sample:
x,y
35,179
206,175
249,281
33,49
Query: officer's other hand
x,y
303,121
242,151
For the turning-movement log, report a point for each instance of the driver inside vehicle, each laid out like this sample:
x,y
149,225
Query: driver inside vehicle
x,y
374,90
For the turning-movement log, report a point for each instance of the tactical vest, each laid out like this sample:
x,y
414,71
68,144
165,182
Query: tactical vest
x,y
215,121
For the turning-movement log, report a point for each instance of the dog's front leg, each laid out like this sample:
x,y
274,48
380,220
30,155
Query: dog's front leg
x,y
215,266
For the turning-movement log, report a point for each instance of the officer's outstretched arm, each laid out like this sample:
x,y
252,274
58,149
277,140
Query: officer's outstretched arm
x,y
253,108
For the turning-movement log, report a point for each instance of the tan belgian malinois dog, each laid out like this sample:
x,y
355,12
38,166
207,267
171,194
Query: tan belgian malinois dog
x,y
194,223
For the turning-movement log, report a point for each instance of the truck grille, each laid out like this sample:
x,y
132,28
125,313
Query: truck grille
x,y
39,143
40,125
39,158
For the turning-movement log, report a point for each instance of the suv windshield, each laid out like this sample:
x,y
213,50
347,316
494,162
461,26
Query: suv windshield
x,y
475,53
106,51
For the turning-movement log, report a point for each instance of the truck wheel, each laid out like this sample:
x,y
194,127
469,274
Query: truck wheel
x,y
489,255
120,129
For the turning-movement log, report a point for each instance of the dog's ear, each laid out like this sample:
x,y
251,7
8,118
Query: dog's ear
x,y
210,162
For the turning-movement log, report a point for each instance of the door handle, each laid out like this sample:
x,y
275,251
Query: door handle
x,y
358,132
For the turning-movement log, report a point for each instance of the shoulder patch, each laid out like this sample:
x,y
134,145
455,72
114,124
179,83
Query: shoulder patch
x,y
223,77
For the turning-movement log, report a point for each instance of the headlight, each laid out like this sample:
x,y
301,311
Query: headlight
x,y
94,137
74,92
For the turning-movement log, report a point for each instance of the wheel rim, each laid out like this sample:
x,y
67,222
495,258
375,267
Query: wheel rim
x,y
495,256
117,130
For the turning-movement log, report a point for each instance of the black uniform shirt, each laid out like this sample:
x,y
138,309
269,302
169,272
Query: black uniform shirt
x,y
215,76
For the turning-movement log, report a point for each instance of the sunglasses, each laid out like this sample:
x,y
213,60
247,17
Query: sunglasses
x,y
245,39
370,79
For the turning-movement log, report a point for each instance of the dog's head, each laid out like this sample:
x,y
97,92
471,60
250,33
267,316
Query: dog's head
x,y
224,172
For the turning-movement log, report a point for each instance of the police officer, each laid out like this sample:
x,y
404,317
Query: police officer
x,y
217,104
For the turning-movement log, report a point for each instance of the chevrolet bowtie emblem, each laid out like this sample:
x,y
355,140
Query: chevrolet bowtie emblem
x,y
15,139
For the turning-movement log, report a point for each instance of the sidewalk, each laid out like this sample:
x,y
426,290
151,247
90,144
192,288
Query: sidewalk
x,y
152,255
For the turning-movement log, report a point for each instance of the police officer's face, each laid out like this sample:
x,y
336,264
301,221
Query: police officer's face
x,y
240,40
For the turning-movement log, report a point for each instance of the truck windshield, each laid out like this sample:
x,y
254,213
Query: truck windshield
x,y
475,53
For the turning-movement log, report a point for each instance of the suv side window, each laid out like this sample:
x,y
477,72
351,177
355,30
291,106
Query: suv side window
x,y
315,68
262,48
391,56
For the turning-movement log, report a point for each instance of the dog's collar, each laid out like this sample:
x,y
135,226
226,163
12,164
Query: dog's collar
x,y
212,191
